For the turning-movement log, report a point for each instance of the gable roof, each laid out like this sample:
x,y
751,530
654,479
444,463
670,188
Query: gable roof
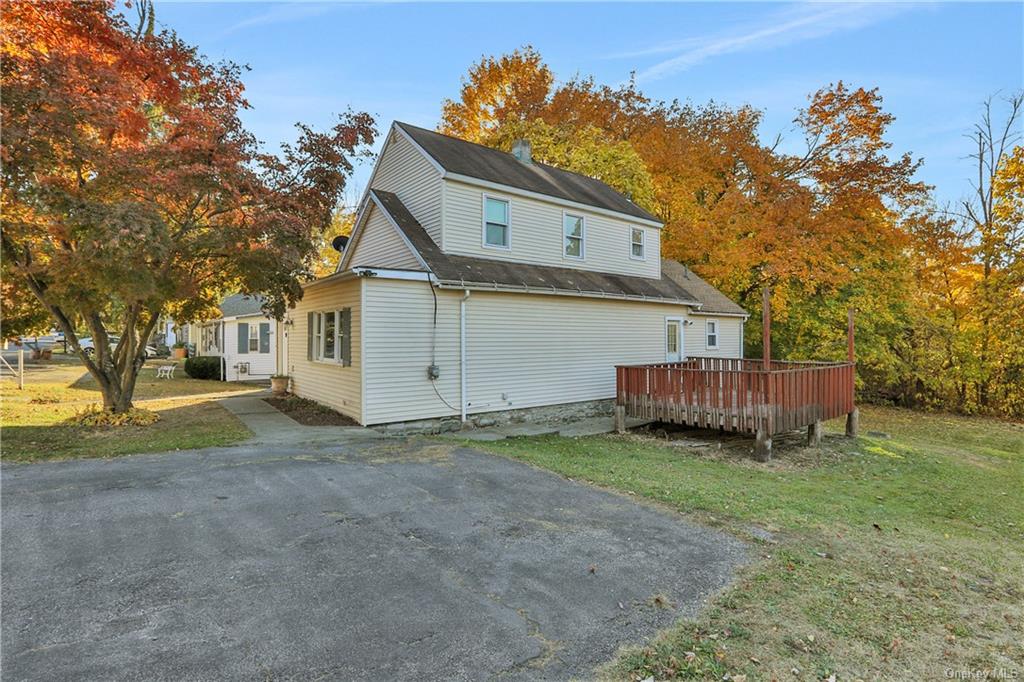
x,y
493,165
712,300
460,271
238,305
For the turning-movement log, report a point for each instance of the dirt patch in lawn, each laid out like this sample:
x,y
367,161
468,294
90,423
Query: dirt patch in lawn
x,y
309,413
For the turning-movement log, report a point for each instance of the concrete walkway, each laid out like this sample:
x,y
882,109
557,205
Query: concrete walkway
x,y
270,426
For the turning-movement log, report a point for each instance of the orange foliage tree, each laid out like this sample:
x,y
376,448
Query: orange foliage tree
x,y
131,189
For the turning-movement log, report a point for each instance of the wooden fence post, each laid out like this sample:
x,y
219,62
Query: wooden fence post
x,y
763,447
620,419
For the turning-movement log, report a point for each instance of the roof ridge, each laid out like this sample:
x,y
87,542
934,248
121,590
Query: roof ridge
x,y
452,137
502,151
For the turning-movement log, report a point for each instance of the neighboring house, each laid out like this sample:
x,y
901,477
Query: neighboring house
x,y
243,336
478,281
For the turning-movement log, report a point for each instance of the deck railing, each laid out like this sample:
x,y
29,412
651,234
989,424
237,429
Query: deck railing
x,y
737,395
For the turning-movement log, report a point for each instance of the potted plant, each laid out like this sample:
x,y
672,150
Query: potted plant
x,y
179,351
279,384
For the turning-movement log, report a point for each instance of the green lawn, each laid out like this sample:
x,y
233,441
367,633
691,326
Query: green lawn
x,y
33,418
895,558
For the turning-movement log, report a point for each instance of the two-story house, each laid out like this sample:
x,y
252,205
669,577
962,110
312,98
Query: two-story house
x,y
478,281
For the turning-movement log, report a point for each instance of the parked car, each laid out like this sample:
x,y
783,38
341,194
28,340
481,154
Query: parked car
x,y
89,347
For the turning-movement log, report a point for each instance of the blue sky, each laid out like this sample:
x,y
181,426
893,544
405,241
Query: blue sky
x,y
934,63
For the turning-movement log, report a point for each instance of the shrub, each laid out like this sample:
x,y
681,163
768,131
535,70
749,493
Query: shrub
x,y
204,367
94,415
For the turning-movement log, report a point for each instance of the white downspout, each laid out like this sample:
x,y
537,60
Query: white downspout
x,y
462,353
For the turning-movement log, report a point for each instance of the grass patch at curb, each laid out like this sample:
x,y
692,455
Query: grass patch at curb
x,y
897,556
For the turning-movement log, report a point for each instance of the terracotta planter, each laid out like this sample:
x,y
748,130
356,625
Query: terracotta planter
x,y
179,353
279,385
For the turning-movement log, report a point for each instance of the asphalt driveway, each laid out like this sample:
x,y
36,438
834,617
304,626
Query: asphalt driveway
x,y
396,560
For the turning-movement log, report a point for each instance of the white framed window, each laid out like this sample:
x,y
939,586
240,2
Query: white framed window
x,y
327,336
497,231
711,335
330,336
574,234
254,338
637,243
318,336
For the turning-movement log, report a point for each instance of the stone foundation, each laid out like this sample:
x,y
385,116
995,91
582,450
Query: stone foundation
x,y
546,414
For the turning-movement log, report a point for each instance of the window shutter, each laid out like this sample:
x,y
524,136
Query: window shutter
x,y
310,317
243,337
264,337
346,336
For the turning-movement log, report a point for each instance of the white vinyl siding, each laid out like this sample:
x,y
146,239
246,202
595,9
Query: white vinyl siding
x,y
380,245
404,170
730,337
330,383
537,234
523,350
399,320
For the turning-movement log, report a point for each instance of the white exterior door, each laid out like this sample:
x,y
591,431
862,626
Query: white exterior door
x,y
673,340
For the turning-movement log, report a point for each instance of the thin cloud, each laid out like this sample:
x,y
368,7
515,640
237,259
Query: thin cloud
x,y
807,22
283,13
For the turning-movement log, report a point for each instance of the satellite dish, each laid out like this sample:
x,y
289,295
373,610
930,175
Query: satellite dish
x,y
339,243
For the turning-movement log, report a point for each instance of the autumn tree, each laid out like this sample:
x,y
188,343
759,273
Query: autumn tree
x,y
998,233
131,189
498,91
326,261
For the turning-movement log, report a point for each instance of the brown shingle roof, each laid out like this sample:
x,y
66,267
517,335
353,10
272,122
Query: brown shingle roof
x,y
469,270
712,300
494,165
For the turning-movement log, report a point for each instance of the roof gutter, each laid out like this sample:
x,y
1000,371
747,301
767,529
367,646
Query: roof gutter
x,y
553,291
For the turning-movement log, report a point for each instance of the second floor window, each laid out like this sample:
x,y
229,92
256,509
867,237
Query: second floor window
x,y
496,229
573,228
636,244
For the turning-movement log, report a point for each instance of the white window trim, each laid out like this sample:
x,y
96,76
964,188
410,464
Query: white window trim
x,y
323,336
643,244
707,332
318,337
318,354
483,222
583,236
254,335
682,336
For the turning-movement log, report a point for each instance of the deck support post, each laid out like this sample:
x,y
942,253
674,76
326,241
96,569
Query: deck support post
x,y
852,423
814,434
763,448
852,418
620,419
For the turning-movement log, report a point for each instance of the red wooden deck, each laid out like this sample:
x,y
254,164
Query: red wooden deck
x,y
737,395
